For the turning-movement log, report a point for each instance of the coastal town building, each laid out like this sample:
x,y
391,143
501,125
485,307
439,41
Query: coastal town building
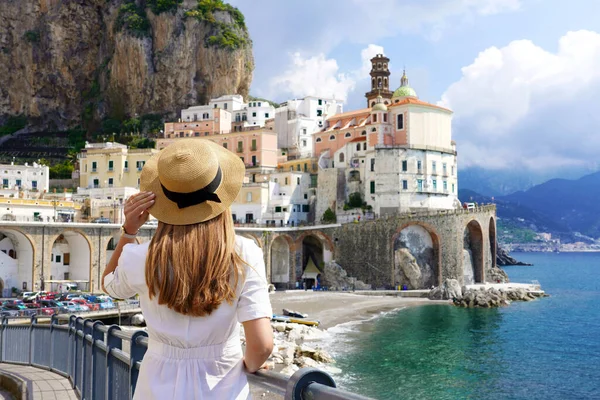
x,y
257,147
111,165
224,114
19,179
296,120
47,209
398,157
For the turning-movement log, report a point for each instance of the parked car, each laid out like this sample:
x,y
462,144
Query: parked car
x,y
5,312
105,302
101,220
26,294
57,306
84,302
72,307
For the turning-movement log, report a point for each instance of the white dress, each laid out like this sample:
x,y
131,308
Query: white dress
x,y
193,357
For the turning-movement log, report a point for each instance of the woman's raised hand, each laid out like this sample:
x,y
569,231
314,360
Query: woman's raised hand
x,y
136,211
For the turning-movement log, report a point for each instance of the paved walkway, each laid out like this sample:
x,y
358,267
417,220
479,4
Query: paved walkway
x,y
44,385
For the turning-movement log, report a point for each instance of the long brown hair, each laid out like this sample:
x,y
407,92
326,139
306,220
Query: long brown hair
x,y
194,268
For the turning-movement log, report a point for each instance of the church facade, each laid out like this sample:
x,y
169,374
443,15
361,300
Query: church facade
x,y
398,153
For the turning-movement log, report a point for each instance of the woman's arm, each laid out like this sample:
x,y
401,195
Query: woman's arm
x,y
136,214
259,343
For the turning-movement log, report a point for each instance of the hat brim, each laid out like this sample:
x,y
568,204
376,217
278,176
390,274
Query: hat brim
x,y
167,211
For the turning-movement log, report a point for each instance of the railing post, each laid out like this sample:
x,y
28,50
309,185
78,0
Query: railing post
x,y
87,330
304,377
4,323
96,335
136,354
72,333
53,323
32,324
112,342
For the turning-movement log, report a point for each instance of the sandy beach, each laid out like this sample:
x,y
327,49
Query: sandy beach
x,y
334,308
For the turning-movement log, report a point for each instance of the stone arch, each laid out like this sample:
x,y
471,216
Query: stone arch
x,y
473,253
17,270
77,264
417,256
327,241
493,243
281,249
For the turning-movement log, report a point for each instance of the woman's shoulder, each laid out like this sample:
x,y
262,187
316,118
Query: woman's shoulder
x,y
245,244
134,255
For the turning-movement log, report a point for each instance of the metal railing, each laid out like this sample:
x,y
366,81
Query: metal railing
x,y
93,357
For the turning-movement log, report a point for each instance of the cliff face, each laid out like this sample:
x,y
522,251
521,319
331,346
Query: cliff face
x,y
63,63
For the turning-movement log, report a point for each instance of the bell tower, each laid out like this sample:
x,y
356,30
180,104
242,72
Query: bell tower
x,y
380,81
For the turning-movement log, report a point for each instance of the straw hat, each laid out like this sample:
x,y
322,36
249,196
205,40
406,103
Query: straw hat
x,y
194,180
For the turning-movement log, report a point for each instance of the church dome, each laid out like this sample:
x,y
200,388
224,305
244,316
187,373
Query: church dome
x,y
379,106
404,90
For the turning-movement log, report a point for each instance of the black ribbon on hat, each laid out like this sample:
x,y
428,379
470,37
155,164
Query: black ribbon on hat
x,y
207,193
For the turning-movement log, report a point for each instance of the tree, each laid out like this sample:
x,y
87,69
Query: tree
x,y
329,216
355,200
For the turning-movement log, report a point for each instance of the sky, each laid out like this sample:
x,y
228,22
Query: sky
x,y
522,76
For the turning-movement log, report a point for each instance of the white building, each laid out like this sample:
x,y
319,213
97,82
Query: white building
x,y
25,178
231,108
279,198
296,120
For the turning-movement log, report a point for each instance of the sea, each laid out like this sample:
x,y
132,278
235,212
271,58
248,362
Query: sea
x,y
544,349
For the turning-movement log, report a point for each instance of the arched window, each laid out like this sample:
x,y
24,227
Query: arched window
x,y
373,129
379,83
364,133
372,103
318,140
385,83
364,145
341,157
347,134
386,102
357,146
373,82
332,137
379,65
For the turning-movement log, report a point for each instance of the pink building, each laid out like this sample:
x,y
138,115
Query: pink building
x,y
256,147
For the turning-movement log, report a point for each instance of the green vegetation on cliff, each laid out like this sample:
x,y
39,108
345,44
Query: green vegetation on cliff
x,y
13,124
160,6
132,19
226,36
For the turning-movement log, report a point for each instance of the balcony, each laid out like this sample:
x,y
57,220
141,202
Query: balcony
x,y
240,149
125,169
94,170
253,148
111,170
434,173
420,171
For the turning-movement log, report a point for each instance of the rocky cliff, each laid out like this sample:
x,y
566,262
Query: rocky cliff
x,y
65,63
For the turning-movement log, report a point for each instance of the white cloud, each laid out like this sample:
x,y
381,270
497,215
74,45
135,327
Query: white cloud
x,y
320,76
521,105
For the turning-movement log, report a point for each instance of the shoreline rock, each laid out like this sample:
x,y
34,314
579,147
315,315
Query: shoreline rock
x,y
481,298
291,352
504,259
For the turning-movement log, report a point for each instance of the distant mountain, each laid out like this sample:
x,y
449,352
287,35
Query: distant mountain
x,y
560,206
500,182
519,214
574,204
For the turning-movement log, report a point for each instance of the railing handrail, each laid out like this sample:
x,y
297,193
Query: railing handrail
x,y
91,355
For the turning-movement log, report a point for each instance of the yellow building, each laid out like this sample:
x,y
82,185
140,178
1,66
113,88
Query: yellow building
x,y
111,165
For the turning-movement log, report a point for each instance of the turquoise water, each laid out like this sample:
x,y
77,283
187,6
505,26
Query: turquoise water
x,y
545,349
